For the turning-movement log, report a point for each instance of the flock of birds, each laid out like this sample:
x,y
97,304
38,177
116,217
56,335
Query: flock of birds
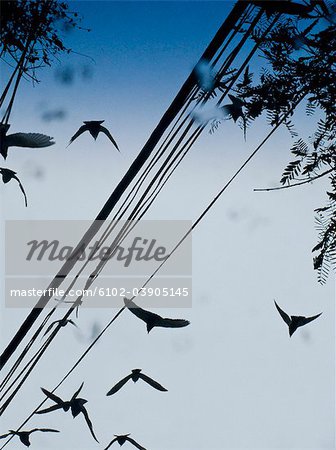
x,y
38,140
207,82
76,405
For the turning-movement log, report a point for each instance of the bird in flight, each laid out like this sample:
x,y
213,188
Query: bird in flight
x,y
94,127
61,323
121,439
8,175
233,110
32,140
154,320
134,376
294,322
24,436
76,405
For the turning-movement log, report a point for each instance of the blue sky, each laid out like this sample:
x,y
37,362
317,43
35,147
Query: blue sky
x,y
234,377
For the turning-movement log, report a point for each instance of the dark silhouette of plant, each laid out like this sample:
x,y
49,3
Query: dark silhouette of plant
x,y
33,28
301,61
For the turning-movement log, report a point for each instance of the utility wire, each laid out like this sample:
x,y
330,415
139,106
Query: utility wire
x,y
199,219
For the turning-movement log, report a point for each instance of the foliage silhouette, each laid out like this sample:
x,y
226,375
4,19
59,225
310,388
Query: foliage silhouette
x,y
301,60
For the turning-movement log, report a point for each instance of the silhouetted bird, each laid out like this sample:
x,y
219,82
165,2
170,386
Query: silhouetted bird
x,y
294,322
25,435
62,323
284,7
94,127
235,109
75,404
122,438
8,175
232,110
154,320
135,375
32,140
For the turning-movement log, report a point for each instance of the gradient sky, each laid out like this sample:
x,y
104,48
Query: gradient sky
x,y
234,378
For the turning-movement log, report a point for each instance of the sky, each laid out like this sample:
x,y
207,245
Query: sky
x,y
234,377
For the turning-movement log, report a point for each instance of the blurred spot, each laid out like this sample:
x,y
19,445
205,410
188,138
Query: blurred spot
x,y
69,74
33,170
86,72
182,344
96,328
205,300
65,75
253,220
87,336
205,76
56,114
306,336
257,222
233,215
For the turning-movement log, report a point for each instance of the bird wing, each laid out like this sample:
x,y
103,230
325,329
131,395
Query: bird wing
x,y
109,135
132,441
226,110
119,385
45,430
7,174
139,312
50,409
236,101
282,313
32,140
80,131
53,397
305,320
77,392
24,438
152,382
109,445
21,188
172,323
3,436
89,423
